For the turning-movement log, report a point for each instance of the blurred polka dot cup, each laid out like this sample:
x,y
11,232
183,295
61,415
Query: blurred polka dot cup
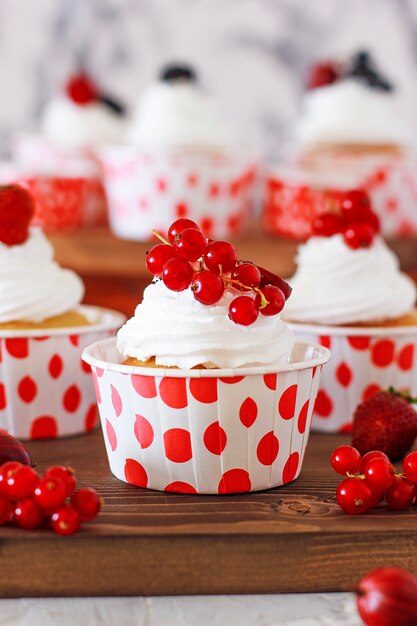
x,y
46,390
364,361
206,431
148,191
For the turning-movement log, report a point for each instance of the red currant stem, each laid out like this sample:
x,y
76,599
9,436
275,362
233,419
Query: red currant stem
x,y
350,475
233,282
161,237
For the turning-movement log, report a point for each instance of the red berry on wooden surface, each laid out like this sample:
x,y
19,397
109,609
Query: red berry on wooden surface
x,y
401,494
28,514
157,257
20,483
50,493
345,459
379,475
64,473
387,596
87,503
373,454
5,510
66,520
410,466
207,287
177,274
354,496
243,310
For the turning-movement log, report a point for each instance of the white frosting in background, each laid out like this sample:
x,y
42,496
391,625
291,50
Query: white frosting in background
x,y
171,115
180,331
335,284
75,126
348,112
33,287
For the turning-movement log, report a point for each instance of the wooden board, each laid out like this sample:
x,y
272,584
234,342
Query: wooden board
x,y
290,539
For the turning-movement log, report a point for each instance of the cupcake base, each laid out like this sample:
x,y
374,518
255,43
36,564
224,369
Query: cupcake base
x,y
70,319
151,363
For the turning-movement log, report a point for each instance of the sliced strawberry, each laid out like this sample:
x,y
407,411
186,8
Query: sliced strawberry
x,y
268,278
16,212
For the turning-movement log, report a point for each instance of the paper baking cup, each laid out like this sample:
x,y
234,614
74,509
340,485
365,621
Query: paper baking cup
x,y
294,197
148,191
364,361
206,431
46,390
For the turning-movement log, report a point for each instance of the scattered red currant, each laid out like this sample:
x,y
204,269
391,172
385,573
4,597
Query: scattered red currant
x,y
410,466
190,244
207,287
401,494
178,226
6,470
322,74
157,257
28,514
243,310
177,274
220,256
275,300
354,496
345,459
374,454
356,205
5,510
379,475
359,235
64,473
247,274
21,483
87,503
66,520
327,224
50,493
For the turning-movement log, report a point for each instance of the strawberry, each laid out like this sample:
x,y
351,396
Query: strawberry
x,y
16,212
323,74
386,422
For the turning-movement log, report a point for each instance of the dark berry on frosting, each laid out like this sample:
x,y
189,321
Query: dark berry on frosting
x,y
178,72
363,67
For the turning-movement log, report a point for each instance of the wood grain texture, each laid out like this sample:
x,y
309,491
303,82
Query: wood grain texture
x,y
291,539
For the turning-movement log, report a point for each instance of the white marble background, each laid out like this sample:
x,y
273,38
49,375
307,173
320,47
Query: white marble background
x,y
251,54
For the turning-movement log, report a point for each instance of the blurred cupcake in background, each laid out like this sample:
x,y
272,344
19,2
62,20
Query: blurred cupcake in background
x,y
59,165
353,131
181,159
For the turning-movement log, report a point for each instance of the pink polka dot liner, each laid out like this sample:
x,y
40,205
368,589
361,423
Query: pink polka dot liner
x,y
46,390
364,361
206,431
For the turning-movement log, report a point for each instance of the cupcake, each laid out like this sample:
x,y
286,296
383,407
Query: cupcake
x,y
181,160
205,390
45,389
353,131
350,295
59,164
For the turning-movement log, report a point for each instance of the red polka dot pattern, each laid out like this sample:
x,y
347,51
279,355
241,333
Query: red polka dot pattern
x,y
248,412
267,450
44,427
286,405
383,353
3,402
116,401
27,389
325,341
406,357
180,487
346,428
177,443
344,374
173,392
232,380
215,438
234,481
270,381
370,391
111,435
323,405
359,343
144,385
18,347
290,468
204,389
55,366
135,473
91,418
143,431
72,399
74,339
302,418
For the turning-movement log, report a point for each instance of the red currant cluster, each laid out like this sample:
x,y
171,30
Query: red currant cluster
x,y
371,478
188,259
356,221
29,500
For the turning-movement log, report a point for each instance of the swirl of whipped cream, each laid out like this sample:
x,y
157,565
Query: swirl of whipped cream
x,y
179,331
348,112
177,115
75,126
33,287
335,284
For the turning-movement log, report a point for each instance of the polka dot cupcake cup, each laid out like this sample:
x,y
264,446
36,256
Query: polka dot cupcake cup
x,y
364,361
206,431
148,191
46,390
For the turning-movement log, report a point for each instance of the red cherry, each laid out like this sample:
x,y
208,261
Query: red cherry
x,y
401,494
322,74
354,496
66,520
379,475
28,514
66,474
87,503
207,287
5,510
7,470
247,274
355,205
11,449
178,226
359,235
220,255
50,493
275,299
157,257
177,274
387,596
345,459
243,310
268,278
81,89
190,244
327,224
21,483
374,454
410,466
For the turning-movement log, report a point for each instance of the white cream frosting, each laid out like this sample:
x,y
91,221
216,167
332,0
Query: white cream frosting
x,y
179,331
177,115
348,112
75,126
33,287
335,284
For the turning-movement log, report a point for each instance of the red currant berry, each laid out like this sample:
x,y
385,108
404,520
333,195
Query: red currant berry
x,y
327,224
177,274
5,510
220,256
275,299
268,278
178,226
379,475
66,520
207,287
247,274
355,205
21,483
401,494
28,514
190,244
87,503
374,454
81,90
50,493
354,496
66,474
359,235
243,310
345,459
6,470
322,74
410,466
157,257
373,220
